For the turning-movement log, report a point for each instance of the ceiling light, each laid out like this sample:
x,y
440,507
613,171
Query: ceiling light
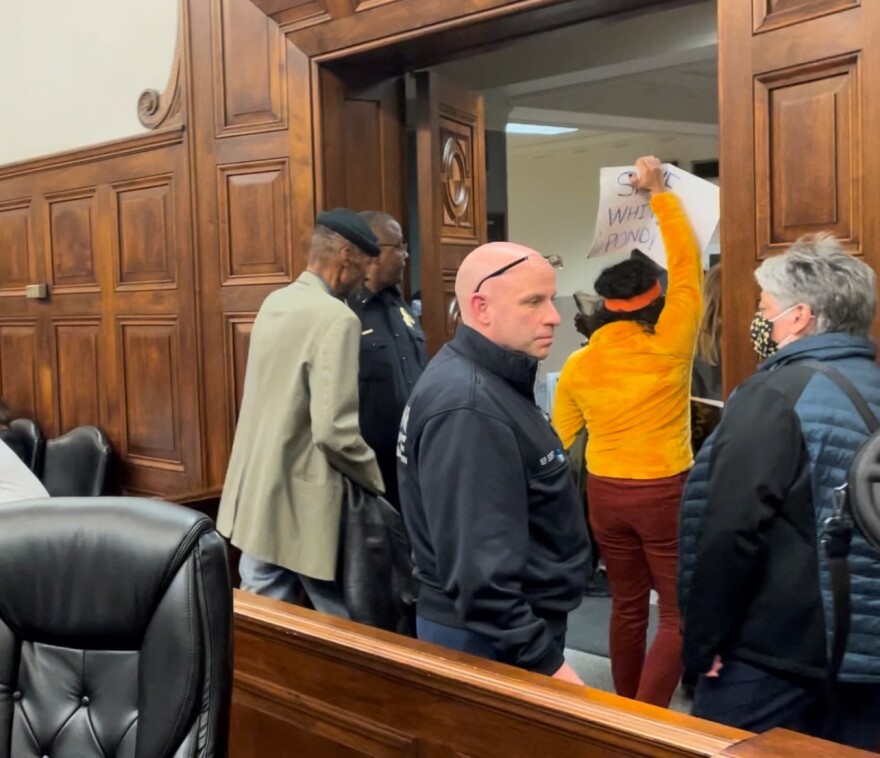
x,y
537,129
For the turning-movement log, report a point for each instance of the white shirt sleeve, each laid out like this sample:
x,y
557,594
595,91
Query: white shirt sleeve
x,y
17,481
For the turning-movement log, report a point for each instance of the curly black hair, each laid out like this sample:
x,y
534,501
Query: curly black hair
x,y
626,279
623,281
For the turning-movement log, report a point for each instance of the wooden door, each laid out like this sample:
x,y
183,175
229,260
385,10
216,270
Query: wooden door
x,y
363,139
451,166
799,81
255,206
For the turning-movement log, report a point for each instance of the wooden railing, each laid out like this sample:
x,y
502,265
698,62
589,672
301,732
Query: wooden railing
x,y
307,684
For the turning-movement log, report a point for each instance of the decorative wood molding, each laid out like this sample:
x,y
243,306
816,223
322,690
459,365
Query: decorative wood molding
x,y
114,149
156,108
76,352
19,370
17,262
149,369
237,336
70,234
825,94
772,14
425,686
144,253
255,101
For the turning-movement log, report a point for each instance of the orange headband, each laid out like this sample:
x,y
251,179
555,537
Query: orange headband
x,y
634,303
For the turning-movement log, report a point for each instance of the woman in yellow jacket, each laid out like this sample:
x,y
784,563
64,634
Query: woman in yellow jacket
x,y
630,386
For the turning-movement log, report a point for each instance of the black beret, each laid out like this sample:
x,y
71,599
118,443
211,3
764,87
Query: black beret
x,y
350,225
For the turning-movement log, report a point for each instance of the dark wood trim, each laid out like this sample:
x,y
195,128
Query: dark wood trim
x,y
460,682
405,35
307,679
113,149
738,241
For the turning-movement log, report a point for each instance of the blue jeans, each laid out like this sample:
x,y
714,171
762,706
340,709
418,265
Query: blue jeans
x,y
280,583
464,640
748,697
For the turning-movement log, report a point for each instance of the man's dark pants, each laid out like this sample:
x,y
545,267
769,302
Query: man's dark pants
x,y
748,697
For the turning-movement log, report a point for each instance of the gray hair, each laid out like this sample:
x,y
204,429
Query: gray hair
x,y
377,219
840,289
325,244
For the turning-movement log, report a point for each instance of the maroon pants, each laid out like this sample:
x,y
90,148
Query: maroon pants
x,y
636,526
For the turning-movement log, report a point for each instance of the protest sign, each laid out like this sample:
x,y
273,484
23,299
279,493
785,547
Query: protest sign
x,y
625,220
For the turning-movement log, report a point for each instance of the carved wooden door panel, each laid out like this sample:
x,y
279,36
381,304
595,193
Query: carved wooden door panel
x,y
799,105
252,139
22,330
451,169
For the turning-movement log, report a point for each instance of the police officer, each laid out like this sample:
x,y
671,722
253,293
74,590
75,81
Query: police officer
x,y
392,352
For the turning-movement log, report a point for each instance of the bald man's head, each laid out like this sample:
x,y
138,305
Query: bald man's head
x,y
514,305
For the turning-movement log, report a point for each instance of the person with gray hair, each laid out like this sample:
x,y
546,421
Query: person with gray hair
x,y
297,437
754,582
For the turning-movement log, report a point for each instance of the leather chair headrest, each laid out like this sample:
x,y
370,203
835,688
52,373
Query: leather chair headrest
x,y
89,572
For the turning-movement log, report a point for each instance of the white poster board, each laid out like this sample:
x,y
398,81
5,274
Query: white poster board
x,y
625,219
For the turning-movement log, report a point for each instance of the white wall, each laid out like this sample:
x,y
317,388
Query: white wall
x,y
72,70
553,195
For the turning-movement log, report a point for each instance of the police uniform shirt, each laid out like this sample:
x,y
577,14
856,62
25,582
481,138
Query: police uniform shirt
x,y
392,358
392,342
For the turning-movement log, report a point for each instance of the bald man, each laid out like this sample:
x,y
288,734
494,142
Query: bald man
x,y
490,505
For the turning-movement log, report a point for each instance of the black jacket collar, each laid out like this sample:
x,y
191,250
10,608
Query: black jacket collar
x,y
517,369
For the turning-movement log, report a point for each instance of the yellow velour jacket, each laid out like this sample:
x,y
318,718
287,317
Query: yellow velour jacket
x,y
631,388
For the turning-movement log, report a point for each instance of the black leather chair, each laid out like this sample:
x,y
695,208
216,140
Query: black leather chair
x,y
32,443
75,464
115,630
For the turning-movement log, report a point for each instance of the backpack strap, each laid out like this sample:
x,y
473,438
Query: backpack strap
x,y
849,389
838,535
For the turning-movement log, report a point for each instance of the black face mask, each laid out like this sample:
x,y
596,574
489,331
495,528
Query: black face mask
x,y
761,329
762,342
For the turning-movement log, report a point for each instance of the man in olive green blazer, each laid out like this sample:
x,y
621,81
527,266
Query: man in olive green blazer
x,y
297,433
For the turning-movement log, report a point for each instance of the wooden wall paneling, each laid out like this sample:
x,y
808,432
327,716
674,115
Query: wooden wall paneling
x,y
773,14
793,109
19,353
70,231
80,373
808,134
250,93
17,265
253,158
74,246
156,326
151,366
254,221
145,241
238,337
107,227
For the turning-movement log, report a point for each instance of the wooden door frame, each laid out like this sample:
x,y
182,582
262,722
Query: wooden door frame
x,y
397,50
404,50
343,60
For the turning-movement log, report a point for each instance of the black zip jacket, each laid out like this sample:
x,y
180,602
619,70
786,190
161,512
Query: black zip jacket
x,y
498,534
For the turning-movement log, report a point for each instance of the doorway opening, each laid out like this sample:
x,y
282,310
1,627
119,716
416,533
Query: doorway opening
x,y
507,144
560,105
